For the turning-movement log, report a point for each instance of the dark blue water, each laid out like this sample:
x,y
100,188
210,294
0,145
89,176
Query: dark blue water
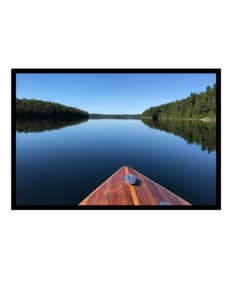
x,y
62,167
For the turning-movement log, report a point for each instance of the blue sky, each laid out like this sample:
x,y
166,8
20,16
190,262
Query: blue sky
x,y
111,93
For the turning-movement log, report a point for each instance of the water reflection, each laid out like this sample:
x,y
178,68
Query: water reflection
x,y
198,132
45,124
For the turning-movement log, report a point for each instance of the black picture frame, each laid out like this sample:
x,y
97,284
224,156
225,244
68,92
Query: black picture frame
x,y
111,207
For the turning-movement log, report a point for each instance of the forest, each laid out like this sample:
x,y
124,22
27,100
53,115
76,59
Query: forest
x,y
198,132
39,108
34,125
196,106
101,116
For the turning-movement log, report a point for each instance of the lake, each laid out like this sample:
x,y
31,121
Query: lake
x,y
60,162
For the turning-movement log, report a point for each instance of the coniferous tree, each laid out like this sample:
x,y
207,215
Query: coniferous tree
x,y
39,108
197,105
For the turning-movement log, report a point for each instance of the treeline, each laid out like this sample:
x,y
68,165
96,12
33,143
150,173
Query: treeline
x,y
101,116
196,106
194,132
45,124
25,107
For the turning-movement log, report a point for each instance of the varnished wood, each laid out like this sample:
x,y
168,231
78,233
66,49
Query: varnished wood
x,y
116,191
132,189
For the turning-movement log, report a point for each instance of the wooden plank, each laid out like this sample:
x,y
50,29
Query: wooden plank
x,y
155,197
123,196
145,187
117,179
102,195
127,190
151,191
107,193
132,190
123,189
112,196
150,198
142,199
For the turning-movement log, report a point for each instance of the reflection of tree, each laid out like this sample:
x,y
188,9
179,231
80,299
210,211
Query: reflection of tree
x,y
42,124
198,132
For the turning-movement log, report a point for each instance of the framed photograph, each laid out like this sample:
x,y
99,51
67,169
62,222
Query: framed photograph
x,y
121,139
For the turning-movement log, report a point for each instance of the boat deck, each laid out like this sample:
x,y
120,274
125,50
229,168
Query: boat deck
x,y
116,191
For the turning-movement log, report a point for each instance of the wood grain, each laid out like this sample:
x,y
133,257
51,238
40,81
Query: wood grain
x,y
125,188
132,190
116,191
182,201
102,195
117,187
144,188
107,193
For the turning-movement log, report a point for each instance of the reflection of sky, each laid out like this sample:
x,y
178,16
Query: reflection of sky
x,y
65,160
111,93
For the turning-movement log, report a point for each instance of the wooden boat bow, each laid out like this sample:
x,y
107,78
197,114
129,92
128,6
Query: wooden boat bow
x,y
116,191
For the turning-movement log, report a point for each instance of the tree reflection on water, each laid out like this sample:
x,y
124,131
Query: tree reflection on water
x,y
34,125
198,132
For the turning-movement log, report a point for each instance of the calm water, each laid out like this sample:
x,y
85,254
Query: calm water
x,y
62,162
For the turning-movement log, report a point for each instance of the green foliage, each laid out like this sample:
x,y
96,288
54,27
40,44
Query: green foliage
x,y
202,105
198,132
39,108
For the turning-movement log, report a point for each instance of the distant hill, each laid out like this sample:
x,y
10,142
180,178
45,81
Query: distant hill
x,y
102,116
39,108
196,106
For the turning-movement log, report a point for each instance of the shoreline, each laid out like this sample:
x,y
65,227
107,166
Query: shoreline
x,y
203,119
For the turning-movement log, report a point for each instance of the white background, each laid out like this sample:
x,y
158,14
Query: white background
x,y
115,254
